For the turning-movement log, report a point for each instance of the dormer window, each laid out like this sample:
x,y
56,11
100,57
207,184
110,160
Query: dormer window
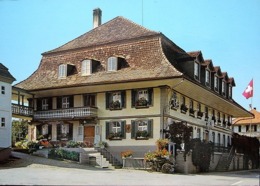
x,y
65,70
196,71
223,88
230,91
207,78
62,71
112,64
86,67
216,83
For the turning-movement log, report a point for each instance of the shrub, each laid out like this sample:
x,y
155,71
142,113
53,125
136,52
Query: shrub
x,y
73,144
64,154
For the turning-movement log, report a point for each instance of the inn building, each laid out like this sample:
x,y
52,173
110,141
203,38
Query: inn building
x,y
123,84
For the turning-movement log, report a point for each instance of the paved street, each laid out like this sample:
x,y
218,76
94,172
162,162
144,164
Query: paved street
x,y
33,170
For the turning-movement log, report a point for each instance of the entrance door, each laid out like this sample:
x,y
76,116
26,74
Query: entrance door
x,y
89,135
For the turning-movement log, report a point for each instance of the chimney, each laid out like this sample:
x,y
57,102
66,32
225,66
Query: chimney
x,y
97,13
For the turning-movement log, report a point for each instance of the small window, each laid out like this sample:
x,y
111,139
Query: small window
x,y
3,89
80,130
115,130
230,91
196,71
142,97
62,71
65,102
112,64
198,133
86,67
239,128
206,113
141,129
45,129
207,78
89,100
2,122
45,104
216,83
223,88
174,102
115,100
213,137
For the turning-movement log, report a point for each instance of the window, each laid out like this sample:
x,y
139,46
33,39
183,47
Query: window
x,y
142,97
230,91
2,122
65,102
80,130
191,108
206,113
218,117
213,137
223,88
224,140
196,71
115,100
86,67
174,103
239,128
198,133
3,89
45,129
64,131
112,64
207,81
62,71
142,129
89,100
216,83
219,139
45,104
115,129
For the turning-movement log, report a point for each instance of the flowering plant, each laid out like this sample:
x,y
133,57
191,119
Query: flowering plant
x,y
126,153
161,143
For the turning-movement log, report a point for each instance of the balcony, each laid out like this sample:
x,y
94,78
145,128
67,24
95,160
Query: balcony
x,y
69,113
22,111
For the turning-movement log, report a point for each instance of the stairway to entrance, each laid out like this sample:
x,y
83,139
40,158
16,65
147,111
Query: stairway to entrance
x,y
225,161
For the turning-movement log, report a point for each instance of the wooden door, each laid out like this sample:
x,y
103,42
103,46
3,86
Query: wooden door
x,y
89,135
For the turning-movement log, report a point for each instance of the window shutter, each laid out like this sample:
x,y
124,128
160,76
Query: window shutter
x,y
59,102
70,131
58,131
123,99
39,129
71,100
123,123
107,100
150,128
133,130
133,92
150,96
39,104
107,129
50,104
50,129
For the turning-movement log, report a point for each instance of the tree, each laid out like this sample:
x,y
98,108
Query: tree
x,y
19,130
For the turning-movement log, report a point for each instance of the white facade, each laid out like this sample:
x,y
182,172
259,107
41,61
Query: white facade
x,y
5,114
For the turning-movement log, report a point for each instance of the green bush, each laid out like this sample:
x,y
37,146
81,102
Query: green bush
x,y
22,144
64,154
73,144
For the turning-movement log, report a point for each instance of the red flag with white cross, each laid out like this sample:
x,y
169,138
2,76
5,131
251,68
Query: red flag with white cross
x,y
249,90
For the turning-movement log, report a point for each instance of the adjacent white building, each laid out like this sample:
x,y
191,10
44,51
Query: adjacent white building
x,y
6,80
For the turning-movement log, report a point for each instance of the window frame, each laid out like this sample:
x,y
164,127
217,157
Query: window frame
x,y
224,87
142,102
112,64
62,71
135,128
113,103
45,104
86,67
115,134
216,83
3,90
230,91
89,100
197,70
3,122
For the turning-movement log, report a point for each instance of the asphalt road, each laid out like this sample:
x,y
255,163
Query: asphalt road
x,y
32,170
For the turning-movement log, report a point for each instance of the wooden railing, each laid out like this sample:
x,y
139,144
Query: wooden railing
x,y
22,110
78,112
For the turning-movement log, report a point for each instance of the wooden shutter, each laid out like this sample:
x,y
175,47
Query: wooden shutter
x,y
150,128
39,104
107,100
50,130
58,131
50,104
39,129
123,99
133,129
133,94
150,96
71,101
123,124
59,102
107,129
70,131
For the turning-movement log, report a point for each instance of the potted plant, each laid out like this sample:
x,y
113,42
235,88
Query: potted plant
x,y
142,102
115,135
127,154
184,108
142,134
115,105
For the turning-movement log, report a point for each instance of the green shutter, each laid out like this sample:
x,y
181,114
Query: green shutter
x,y
49,103
133,129
107,129
71,101
150,128
123,124
39,104
59,102
107,100
150,96
123,99
133,93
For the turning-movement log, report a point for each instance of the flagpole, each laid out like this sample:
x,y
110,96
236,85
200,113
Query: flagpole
x,y
251,112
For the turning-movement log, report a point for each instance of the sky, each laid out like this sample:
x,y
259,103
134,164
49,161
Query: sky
x,y
225,31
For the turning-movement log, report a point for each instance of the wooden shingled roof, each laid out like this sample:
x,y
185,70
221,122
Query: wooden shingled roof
x,y
5,75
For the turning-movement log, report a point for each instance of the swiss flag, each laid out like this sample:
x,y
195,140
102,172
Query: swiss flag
x,y
249,90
